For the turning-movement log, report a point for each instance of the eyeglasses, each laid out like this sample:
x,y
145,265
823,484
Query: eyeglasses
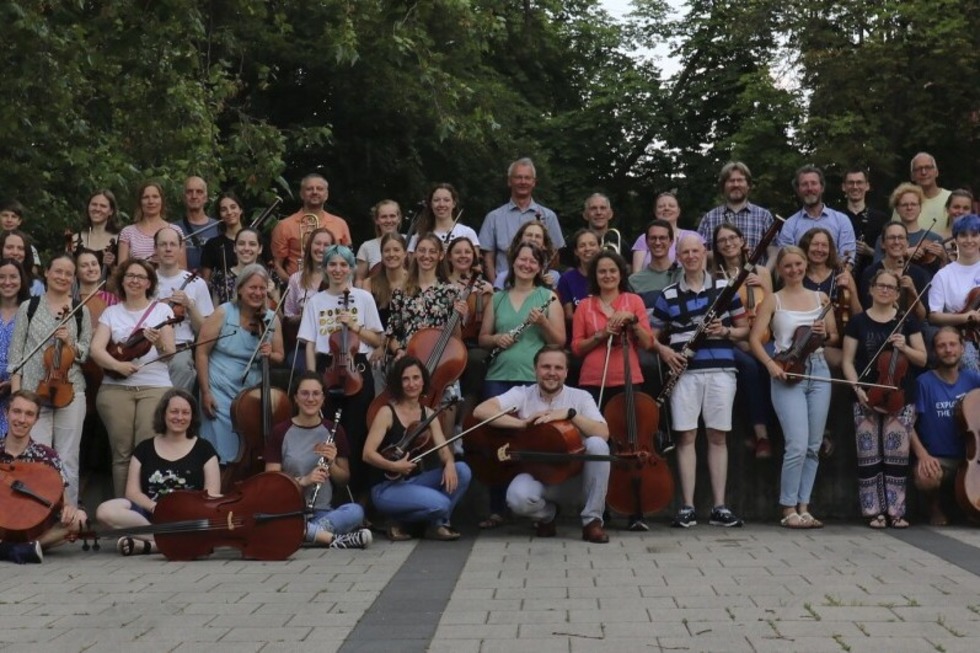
x,y
886,286
896,237
919,169
728,239
136,277
309,394
658,239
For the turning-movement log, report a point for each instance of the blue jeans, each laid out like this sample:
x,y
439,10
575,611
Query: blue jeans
x,y
421,498
753,383
802,410
338,521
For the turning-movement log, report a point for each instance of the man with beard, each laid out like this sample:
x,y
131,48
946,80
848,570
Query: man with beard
x,y
735,181
288,236
809,185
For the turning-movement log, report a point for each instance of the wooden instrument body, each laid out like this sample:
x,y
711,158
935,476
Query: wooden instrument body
x,y
968,475
31,495
559,437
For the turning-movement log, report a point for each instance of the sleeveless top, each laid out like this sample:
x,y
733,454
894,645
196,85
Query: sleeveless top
x,y
395,433
785,322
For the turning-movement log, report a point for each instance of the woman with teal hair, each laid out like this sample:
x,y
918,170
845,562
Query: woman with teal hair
x,y
325,313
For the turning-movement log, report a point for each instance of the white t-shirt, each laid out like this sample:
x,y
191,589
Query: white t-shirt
x,y
122,323
370,252
199,293
320,317
527,400
459,231
951,285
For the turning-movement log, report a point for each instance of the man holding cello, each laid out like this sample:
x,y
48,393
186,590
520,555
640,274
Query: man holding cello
x,y
18,456
550,400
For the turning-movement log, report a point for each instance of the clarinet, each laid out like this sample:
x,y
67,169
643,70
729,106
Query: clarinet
x,y
323,459
718,307
519,329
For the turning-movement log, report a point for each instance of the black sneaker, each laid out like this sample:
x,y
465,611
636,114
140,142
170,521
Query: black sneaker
x,y
637,525
359,539
722,516
21,552
685,518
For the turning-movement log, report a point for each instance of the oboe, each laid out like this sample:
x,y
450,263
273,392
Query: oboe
x,y
323,462
519,329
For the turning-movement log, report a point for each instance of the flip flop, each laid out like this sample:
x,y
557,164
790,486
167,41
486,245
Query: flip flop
x,y
493,521
878,522
129,546
899,522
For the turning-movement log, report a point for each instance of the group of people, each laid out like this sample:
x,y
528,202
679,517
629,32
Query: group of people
x,y
166,322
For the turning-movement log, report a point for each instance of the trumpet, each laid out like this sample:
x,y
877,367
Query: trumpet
x,y
308,223
613,240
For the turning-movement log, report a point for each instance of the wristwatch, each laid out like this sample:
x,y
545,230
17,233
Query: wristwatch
x,y
571,413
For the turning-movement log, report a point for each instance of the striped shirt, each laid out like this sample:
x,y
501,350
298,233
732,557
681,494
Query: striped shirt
x,y
680,309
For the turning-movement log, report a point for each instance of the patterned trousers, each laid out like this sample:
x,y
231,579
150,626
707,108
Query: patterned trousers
x,y
883,459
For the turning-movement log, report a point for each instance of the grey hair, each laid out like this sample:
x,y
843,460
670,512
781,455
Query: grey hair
x,y
248,272
523,161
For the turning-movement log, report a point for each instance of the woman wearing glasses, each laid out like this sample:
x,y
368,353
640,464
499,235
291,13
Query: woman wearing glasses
x,y
132,389
954,286
883,436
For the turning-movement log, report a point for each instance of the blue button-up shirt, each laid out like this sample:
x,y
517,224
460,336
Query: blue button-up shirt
x,y
838,224
501,225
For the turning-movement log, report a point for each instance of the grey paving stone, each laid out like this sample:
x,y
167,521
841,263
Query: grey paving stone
x,y
285,634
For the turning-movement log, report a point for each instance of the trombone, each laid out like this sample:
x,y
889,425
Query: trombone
x,y
308,223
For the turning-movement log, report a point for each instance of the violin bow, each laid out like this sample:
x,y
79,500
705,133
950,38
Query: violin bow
x,y
63,322
182,347
448,442
895,330
828,379
605,368
292,368
449,234
259,221
266,330
918,245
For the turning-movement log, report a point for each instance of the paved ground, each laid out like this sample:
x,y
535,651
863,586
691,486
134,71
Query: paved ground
x,y
759,588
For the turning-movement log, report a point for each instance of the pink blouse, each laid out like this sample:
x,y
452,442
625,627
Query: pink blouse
x,y
590,319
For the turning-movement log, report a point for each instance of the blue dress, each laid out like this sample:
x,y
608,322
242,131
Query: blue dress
x,y
226,365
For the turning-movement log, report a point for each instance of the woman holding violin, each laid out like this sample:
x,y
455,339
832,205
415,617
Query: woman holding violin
x,y
13,292
136,240
881,346
54,371
827,274
100,230
314,451
430,496
730,255
387,217
175,458
382,283
954,298
236,334
129,339
926,243
801,325
441,217
341,327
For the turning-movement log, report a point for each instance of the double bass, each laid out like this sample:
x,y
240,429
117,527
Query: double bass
x,y
640,481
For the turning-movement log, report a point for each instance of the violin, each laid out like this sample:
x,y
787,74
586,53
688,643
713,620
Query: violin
x,y
476,302
179,310
840,297
640,482
751,298
971,330
136,346
254,411
55,388
444,354
968,475
31,496
892,366
417,437
343,375
805,342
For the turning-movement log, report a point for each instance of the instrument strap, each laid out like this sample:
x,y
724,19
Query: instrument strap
x,y
146,314
36,301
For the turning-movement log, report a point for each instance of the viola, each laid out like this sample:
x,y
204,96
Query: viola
x,y
254,411
417,437
840,297
444,354
892,366
640,481
971,330
476,302
179,309
55,388
751,297
805,342
551,453
264,517
31,495
136,346
343,374
968,475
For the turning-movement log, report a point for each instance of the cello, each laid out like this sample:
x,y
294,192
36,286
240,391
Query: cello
x,y
31,495
444,354
640,482
968,475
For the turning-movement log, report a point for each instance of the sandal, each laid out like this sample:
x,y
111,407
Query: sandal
x,y
878,522
792,520
397,534
442,534
899,522
129,546
809,521
493,521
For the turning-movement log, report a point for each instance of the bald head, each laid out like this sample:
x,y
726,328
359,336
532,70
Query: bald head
x,y
691,252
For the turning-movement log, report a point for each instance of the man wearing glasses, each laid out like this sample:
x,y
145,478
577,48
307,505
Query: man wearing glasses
x,y
924,173
867,221
734,182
